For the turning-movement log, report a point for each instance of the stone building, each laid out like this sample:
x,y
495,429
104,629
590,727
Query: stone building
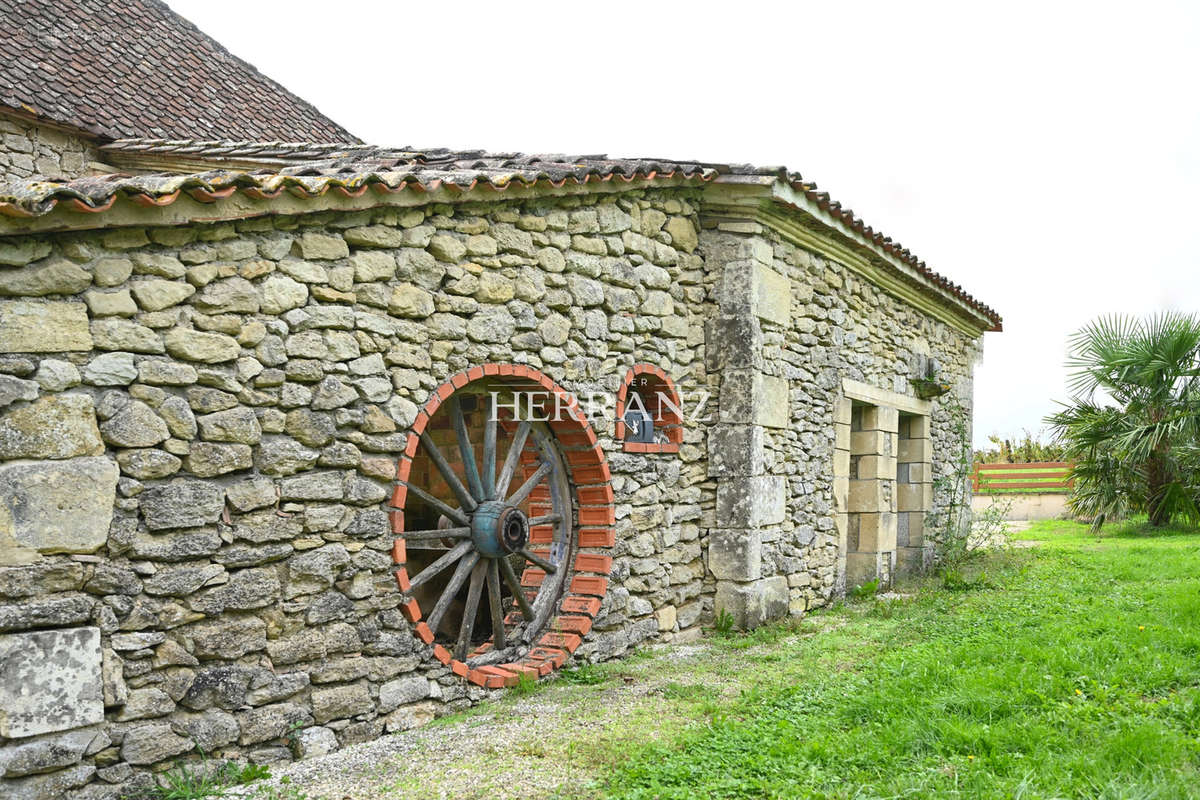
x,y
304,443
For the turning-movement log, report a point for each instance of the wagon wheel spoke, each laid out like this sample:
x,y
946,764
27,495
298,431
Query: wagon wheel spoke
x,y
444,561
531,484
437,533
545,519
489,451
538,560
439,460
463,644
514,586
512,459
465,449
493,582
456,581
453,514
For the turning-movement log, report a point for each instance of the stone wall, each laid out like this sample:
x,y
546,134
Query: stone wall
x,y
793,325
199,434
28,149
200,428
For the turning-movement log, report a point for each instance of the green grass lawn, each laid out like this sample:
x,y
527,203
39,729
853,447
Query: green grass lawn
x,y
1069,670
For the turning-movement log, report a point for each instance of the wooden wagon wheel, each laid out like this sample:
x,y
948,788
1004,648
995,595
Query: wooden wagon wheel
x,y
484,526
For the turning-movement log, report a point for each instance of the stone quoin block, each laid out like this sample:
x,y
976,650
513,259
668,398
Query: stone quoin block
x,y
733,342
871,443
868,496
914,496
876,532
752,604
751,502
880,418
50,681
841,492
914,450
842,410
748,397
753,289
735,450
735,554
863,567
880,467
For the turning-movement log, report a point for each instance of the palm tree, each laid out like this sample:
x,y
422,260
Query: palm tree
x,y
1132,426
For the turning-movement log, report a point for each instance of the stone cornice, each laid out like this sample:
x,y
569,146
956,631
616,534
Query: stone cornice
x,y
775,205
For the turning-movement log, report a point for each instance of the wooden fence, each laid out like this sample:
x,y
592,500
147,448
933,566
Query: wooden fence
x,y
1045,475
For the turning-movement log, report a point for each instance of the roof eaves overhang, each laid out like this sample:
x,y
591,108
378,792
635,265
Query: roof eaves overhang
x,y
794,215
224,197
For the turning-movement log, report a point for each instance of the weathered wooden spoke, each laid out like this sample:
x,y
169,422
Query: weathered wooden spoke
x,y
463,643
435,455
538,560
437,533
456,581
497,605
453,514
514,586
465,449
489,451
512,459
442,563
519,496
483,524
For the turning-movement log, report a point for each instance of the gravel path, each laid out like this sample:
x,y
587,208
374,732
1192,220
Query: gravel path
x,y
533,746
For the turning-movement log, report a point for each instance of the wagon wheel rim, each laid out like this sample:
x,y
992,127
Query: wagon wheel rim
x,y
483,529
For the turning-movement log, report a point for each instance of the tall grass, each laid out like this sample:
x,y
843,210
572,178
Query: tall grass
x,y
1076,675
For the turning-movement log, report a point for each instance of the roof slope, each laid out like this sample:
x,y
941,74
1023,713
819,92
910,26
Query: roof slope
x,y
307,170
122,68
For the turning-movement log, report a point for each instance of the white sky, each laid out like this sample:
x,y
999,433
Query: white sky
x,y
1044,156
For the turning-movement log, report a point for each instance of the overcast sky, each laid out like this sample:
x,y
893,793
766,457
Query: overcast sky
x,y
1044,156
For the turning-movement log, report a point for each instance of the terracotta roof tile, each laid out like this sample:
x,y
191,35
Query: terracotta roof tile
x,y
307,169
120,68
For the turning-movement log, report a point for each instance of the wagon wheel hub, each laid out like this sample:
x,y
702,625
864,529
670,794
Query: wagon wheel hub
x,y
498,529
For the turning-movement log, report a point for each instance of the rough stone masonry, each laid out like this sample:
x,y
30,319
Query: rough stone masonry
x,y
205,401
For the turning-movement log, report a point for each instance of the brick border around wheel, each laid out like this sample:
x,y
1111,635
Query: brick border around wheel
x,y
592,482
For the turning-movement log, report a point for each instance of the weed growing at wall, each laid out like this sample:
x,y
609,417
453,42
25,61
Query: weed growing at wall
x,y
958,532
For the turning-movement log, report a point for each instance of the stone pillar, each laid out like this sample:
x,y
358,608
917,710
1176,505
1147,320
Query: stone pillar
x,y
751,400
871,497
914,491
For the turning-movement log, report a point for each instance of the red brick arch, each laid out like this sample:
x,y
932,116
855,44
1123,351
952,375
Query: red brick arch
x,y
656,381
592,484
